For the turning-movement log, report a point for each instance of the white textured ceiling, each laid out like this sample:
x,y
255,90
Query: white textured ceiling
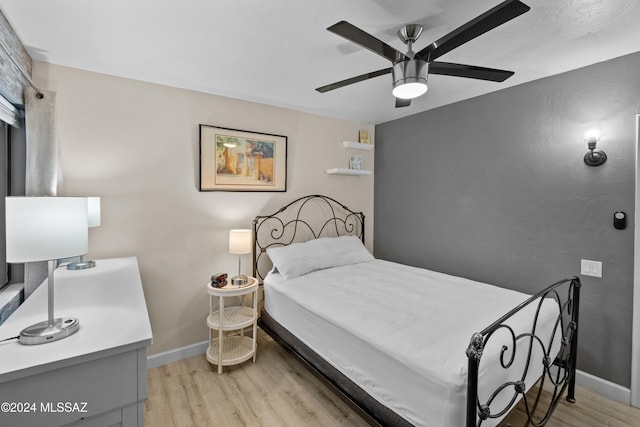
x,y
278,51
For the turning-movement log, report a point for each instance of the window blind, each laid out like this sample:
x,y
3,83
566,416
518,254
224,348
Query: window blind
x,y
8,113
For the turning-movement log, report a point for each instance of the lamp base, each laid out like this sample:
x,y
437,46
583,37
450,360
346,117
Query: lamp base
x,y
239,280
43,332
81,265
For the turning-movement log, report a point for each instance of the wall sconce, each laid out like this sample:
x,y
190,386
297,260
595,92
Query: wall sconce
x,y
593,157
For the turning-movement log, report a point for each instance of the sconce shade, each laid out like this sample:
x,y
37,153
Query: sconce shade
x,y
592,135
46,228
240,242
93,211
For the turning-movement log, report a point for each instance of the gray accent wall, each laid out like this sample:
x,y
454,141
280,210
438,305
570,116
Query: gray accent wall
x,y
495,189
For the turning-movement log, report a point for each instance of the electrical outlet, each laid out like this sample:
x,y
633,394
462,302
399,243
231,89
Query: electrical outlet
x,y
590,268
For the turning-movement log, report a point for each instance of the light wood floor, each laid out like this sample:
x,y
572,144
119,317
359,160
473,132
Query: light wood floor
x,y
278,391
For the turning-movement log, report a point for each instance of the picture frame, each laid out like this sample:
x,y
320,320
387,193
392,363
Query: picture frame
x,y
355,162
240,160
364,137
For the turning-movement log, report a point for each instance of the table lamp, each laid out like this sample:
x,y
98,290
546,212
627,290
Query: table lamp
x,y
46,229
94,220
239,244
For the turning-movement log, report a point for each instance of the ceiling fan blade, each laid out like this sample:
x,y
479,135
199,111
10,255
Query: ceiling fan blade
x,y
366,40
402,102
489,20
356,79
469,71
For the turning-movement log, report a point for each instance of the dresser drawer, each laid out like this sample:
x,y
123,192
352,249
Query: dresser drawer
x,y
70,394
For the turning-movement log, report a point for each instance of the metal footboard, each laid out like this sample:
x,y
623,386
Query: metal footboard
x,y
558,367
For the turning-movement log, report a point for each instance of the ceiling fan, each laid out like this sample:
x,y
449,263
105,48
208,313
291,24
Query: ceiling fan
x,y
409,70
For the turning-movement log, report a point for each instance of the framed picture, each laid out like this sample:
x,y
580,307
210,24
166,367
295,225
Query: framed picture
x,y
355,162
239,160
363,137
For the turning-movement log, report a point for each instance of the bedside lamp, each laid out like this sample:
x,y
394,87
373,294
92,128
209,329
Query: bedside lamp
x,y
239,244
94,220
46,229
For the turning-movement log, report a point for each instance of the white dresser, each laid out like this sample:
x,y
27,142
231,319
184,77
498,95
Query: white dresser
x,y
96,377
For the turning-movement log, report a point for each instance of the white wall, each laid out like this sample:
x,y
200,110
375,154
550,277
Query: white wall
x,y
135,144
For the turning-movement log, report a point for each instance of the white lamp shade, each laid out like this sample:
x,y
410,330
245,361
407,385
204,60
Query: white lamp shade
x,y
240,242
93,210
46,228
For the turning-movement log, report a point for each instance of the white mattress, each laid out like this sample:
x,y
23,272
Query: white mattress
x,y
401,332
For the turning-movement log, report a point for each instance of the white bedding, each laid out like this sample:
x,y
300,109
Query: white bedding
x,y
401,332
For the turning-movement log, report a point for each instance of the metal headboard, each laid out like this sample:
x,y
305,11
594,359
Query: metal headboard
x,y
304,219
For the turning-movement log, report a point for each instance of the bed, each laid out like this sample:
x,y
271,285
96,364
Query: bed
x,y
409,346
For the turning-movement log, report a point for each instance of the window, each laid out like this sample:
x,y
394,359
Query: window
x,y
4,190
12,180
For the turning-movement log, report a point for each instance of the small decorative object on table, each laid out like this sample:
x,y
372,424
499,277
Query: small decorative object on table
x,y
364,137
219,280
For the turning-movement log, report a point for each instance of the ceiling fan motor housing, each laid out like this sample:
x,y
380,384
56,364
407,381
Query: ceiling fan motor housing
x,y
411,72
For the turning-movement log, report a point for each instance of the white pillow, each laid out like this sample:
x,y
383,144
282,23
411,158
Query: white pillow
x,y
301,258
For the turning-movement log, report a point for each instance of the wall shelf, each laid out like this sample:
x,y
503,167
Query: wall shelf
x,y
357,145
354,172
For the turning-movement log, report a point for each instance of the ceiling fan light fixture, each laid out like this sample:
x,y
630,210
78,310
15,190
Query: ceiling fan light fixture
x,y
409,90
410,78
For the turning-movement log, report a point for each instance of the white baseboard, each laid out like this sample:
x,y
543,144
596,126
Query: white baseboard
x,y
601,386
176,354
605,388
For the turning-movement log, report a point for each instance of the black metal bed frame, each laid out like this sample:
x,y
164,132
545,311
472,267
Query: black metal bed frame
x,y
338,220
559,368
299,221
